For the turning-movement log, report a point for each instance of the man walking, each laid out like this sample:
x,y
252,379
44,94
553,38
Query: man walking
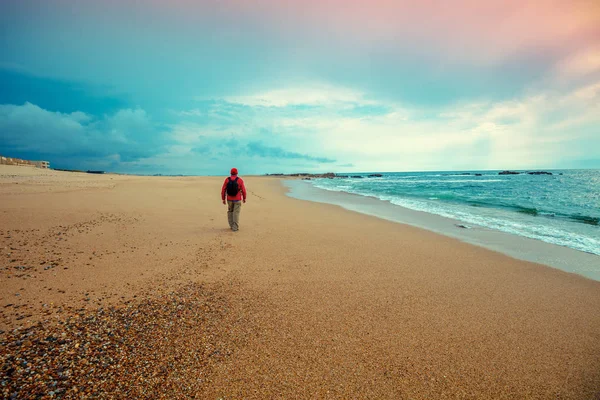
x,y
235,190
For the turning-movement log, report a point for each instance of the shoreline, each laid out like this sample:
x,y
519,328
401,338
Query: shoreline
x,y
139,283
518,247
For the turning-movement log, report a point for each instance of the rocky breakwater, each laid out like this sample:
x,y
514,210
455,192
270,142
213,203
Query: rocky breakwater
x,y
327,175
509,173
529,173
306,176
359,176
539,173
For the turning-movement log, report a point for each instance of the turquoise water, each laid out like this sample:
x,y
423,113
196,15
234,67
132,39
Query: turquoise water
x,y
558,209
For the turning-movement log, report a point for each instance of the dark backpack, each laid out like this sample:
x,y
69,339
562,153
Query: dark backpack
x,y
232,187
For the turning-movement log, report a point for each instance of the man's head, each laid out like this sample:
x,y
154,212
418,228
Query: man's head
x,y
234,171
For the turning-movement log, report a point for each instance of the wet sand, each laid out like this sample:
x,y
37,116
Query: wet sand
x,y
519,247
102,275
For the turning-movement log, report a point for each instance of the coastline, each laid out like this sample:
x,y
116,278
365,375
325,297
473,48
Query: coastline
x,y
138,282
519,247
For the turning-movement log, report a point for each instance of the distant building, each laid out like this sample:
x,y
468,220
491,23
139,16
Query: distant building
x,y
42,164
18,161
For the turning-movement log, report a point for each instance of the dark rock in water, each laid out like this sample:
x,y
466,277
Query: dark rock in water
x,y
463,226
539,173
508,173
306,179
586,219
375,176
478,174
341,176
356,176
465,173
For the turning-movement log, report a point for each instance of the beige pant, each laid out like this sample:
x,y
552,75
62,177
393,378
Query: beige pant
x,y
233,214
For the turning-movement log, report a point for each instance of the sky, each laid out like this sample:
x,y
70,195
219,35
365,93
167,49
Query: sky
x,y
283,86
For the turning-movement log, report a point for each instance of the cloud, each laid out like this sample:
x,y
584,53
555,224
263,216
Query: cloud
x,y
542,128
76,138
250,54
579,65
261,150
20,86
464,32
272,85
31,128
313,95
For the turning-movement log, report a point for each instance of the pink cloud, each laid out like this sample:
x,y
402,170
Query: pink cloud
x,y
485,32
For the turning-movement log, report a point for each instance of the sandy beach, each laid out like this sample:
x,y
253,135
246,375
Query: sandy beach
x,y
118,286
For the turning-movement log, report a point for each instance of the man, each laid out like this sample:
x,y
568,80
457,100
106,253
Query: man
x,y
235,190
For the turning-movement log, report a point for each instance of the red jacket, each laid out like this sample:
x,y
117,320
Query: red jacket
x,y
241,193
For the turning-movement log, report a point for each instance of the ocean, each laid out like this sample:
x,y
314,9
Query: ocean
x,y
561,209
